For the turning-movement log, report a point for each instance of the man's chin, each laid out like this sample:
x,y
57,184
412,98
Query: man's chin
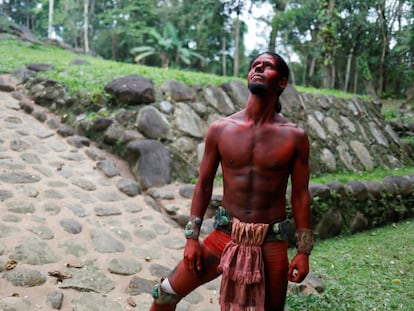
x,y
257,88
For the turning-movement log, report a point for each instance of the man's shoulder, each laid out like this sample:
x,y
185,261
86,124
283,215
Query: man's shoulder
x,y
236,117
282,121
291,126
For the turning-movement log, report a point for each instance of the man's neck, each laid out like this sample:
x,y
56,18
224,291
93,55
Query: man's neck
x,y
260,110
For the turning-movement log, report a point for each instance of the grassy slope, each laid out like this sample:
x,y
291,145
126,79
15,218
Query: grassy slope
x,y
17,54
371,271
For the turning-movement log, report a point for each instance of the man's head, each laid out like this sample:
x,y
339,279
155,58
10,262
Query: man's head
x,y
257,65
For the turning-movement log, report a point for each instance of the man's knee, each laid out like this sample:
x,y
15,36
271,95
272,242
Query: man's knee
x,y
163,293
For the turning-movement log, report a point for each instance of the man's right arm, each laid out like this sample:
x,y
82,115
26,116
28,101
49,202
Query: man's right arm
x,y
301,206
202,194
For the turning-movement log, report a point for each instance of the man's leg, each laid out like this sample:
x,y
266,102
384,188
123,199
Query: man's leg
x,y
276,268
181,281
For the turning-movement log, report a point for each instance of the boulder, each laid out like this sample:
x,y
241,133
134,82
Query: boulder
x,y
219,100
238,92
330,225
132,90
150,162
39,67
357,190
177,91
152,123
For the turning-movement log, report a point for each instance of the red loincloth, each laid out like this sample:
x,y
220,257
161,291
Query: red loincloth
x,y
243,285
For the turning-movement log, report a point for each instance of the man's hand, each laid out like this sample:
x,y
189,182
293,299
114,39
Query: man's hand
x,y
299,268
192,255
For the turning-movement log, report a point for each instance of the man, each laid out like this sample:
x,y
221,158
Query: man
x,y
258,150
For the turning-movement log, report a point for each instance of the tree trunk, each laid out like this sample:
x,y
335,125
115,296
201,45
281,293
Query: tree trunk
x,y
50,20
370,89
348,68
384,32
165,60
236,65
273,35
85,25
328,41
278,8
311,71
114,43
355,86
223,56
292,79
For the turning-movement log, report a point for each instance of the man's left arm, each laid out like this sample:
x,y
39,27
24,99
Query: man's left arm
x,y
300,200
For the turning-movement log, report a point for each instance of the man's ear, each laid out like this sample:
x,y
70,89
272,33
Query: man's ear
x,y
283,83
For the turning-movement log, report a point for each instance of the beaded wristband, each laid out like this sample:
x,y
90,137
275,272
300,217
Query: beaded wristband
x,y
192,228
304,240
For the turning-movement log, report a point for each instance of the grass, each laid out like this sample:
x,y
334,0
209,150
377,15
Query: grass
x,y
372,271
97,74
331,92
376,174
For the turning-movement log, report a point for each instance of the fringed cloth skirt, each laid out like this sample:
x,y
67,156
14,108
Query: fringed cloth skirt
x,y
245,262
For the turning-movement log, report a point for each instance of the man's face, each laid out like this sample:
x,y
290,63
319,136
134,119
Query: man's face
x,y
263,75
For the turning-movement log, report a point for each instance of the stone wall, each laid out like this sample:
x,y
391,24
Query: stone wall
x,y
345,134
337,208
347,208
162,135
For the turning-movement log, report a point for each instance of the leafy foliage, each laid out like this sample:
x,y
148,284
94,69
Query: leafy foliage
x,y
167,45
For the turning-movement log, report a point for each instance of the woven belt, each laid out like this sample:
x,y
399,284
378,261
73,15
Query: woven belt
x,y
278,230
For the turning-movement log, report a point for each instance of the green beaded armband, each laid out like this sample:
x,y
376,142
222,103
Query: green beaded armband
x,y
192,228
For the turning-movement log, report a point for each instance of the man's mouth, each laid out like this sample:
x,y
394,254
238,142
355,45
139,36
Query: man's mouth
x,y
257,76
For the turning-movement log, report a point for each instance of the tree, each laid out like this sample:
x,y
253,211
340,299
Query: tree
x,y
167,45
204,26
364,46
22,12
123,24
279,7
299,28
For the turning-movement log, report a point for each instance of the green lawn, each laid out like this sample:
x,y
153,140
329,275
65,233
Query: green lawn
x,y
372,271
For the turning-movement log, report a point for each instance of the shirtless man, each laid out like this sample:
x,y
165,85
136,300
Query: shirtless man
x,y
258,150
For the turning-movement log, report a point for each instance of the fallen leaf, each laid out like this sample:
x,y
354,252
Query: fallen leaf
x,y
131,302
10,265
74,265
59,275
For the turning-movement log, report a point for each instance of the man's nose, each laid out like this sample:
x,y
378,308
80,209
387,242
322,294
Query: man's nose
x,y
259,67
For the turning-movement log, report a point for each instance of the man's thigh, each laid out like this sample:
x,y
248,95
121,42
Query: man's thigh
x,y
276,270
184,281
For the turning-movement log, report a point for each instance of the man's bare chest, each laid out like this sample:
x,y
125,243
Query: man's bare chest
x,y
267,148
